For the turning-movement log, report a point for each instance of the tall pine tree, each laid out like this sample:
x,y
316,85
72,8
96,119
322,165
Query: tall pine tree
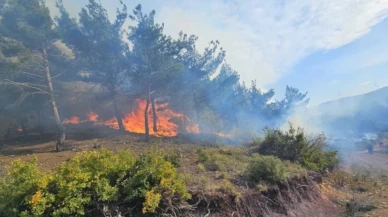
x,y
28,22
99,47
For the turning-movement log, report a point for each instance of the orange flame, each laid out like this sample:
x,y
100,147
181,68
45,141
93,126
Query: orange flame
x,y
72,120
134,121
169,122
92,116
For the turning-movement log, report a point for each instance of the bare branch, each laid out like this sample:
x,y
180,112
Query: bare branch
x,y
27,73
52,77
29,85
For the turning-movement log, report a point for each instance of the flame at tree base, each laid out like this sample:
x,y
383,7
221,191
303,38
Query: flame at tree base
x,y
166,121
72,120
135,121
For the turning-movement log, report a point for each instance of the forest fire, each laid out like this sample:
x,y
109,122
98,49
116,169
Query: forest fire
x,y
166,121
72,120
92,116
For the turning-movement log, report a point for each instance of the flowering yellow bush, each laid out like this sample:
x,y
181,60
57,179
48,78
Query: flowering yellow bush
x,y
18,187
90,181
155,178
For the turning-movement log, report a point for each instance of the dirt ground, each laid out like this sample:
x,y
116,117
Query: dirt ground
x,y
377,163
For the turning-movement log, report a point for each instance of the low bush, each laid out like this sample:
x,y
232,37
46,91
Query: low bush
x,y
266,168
231,160
295,146
340,178
91,181
153,179
229,188
18,186
174,158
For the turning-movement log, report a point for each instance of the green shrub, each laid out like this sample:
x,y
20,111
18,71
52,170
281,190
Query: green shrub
x,y
261,187
266,168
18,187
294,170
201,168
209,160
84,179
295,146
153,179
174,158
287,145
231,160
89,181
228,187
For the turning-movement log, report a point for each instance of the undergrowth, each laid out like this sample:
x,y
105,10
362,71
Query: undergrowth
x,y
95,180
100,182
295,146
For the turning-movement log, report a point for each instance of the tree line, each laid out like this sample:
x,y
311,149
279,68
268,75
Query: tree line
x,y
139,60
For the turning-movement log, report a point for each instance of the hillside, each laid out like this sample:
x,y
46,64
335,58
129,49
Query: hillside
x,y
219,178
367,113
215,176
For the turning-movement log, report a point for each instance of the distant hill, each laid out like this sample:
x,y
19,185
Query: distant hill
x,y
362,114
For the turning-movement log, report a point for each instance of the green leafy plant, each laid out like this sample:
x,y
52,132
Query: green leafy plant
x,y
88,177
91,181
266,168
295,146
18,186
153,179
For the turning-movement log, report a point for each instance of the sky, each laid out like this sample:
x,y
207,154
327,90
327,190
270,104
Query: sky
x,y
328,48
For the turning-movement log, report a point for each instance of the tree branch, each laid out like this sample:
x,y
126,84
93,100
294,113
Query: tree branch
x,y
27,73
29,85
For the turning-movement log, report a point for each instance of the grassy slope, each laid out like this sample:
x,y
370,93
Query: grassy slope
x,y
230,165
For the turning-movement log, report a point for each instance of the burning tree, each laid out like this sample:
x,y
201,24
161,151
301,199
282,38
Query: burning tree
x,y
26,26
98,46
154,66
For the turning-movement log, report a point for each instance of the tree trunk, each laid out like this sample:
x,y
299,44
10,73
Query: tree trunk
x,y
117,113
154,115
60,130
147,129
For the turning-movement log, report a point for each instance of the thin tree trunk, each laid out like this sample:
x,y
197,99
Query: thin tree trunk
x,y
154,115
117,113
60,130
147,129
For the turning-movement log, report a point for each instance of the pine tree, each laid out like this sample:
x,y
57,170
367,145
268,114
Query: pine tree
x,y
154,65
99,47
28,23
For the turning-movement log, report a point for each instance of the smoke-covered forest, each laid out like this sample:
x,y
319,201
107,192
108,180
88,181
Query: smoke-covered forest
x,y
147,124
130,60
